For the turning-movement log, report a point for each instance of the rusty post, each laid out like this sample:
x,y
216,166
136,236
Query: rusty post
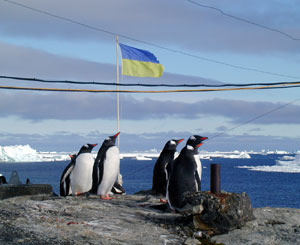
x,y
215,178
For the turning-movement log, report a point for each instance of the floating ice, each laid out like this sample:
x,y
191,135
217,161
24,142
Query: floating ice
x,y
19,153
285,165
24,153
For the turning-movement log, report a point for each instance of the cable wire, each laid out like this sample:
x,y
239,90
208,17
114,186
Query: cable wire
x,y
147,91
147,84
255,118
244,20
151,44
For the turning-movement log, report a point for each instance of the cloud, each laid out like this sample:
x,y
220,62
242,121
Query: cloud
x,y
69,142
173,23
84,106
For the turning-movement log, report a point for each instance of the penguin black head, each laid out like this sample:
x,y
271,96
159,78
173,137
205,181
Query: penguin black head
x,y
111,140
87,148
172,144
195,141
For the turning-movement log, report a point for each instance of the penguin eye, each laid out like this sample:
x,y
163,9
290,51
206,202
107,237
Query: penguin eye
x,y
189,147
107,138
172,142
86,146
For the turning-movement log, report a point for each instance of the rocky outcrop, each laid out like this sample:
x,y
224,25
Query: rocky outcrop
x,y
138,219
277,226
218,214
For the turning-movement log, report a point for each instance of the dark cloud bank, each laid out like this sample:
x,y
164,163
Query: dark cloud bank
x,y
84,106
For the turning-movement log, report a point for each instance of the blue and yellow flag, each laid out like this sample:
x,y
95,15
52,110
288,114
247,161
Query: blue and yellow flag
x,y
140,63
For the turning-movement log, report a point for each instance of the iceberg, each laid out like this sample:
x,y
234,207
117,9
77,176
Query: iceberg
x,y
19,153
24,153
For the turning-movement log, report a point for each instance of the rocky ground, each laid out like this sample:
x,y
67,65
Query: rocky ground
x,y
129,219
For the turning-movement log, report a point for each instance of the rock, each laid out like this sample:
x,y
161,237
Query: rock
x,y
45,219
130,219
218,214
191,241
8,190
272,226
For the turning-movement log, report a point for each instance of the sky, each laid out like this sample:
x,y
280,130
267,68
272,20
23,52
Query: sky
x,y
76,40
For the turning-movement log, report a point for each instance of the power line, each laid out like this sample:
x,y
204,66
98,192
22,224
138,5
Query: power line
x,y
146,91
147,84
244,20
151,44
255,118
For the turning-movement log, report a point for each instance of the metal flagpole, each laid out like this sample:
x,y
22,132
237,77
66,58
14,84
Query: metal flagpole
x,y
118,94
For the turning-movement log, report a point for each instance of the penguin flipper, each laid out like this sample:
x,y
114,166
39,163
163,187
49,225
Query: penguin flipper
x,y
198,181
65,179
117,188
97,174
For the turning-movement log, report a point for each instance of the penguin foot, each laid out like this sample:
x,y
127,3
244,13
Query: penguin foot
x,y
162,200
80,193
106,197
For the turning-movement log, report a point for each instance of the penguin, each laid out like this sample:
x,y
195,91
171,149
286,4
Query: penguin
x,y
2,179
186,173
81,174
65,185
106,168
162,167
117,187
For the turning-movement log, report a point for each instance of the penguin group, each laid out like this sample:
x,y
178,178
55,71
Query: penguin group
x,y
173,175
100,175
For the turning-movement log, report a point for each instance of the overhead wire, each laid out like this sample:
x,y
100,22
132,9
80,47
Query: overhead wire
x,y
243,20
146,84
148,43
255,118
147,91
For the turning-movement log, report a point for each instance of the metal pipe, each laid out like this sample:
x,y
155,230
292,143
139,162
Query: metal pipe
x,y
215,178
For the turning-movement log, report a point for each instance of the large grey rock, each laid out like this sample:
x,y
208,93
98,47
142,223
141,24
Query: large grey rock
x,y
276,226
129,219
218,214
8,190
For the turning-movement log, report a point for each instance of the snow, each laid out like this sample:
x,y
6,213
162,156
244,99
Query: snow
x,y
287,164
24,153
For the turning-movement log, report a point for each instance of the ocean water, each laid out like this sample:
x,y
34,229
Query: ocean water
x,y
265,188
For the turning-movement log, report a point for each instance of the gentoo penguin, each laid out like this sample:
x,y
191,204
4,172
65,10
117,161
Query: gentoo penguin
x,y
160,173
186,173
65,185
81,174
106,168
117,187
2,179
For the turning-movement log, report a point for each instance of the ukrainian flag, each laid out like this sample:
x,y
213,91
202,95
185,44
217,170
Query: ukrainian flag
x,y
140,63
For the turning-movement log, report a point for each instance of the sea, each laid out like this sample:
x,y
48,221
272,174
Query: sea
x,y
255,176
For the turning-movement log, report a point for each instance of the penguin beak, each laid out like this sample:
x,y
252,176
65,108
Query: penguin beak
x,y
116,135
179,141
203,138
94,145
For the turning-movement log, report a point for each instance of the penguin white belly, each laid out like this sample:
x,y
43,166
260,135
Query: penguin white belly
x,y
111,169
199,168
81,176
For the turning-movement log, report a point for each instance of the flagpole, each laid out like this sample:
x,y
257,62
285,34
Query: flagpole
x,y
118,94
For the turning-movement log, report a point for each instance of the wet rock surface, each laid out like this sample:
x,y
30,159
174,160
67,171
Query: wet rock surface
x,y
129,219
276,226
